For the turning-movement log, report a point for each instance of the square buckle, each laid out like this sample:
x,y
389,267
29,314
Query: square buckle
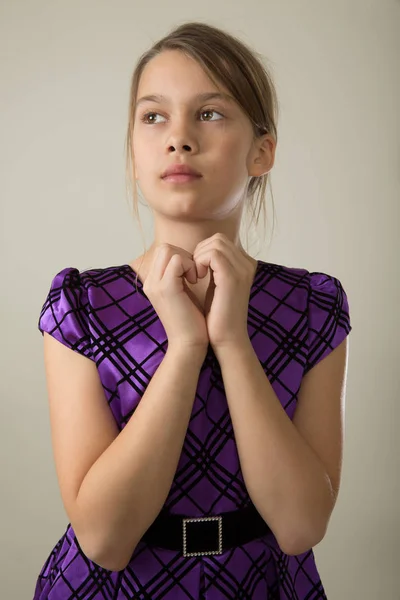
x,y
201,520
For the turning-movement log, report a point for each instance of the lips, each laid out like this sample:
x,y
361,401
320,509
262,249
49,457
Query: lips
x,y
180,169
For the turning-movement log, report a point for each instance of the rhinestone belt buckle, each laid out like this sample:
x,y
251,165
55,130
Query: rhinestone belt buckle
x,y
200,520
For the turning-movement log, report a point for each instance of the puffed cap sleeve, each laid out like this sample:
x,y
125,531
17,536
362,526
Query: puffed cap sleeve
x,y
65,312
328,317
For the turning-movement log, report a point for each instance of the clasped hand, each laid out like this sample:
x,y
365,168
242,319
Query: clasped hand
x,y
227,298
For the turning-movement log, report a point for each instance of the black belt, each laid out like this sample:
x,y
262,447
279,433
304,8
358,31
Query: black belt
x,y
197,536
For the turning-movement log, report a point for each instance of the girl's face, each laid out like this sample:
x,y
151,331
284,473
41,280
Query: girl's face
x,y
213,136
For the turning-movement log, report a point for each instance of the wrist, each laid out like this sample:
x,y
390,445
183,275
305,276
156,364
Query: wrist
x,y
192,353
242,345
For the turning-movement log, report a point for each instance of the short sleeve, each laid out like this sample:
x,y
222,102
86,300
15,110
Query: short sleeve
x,y
328,317
65,312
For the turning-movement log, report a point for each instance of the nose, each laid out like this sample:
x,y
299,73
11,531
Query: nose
x,y
181,138
176,147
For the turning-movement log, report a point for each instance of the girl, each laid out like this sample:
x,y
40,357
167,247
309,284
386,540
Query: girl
x,y
197,394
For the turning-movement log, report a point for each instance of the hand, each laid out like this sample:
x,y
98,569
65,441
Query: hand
x,y
227,299
165,286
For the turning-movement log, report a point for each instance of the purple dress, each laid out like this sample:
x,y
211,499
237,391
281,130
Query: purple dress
x,y
295,319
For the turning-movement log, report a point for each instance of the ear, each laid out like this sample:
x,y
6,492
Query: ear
x,y
262,156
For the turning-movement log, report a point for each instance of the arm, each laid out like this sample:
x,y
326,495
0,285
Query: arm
x,y
125,489
286,479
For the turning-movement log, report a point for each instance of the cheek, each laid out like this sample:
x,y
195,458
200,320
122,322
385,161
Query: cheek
x,y
141,157
231,163
232,147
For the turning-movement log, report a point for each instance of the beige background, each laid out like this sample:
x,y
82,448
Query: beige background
x,y
65,74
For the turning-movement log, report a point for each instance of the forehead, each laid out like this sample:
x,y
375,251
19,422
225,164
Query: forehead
x,y
173,75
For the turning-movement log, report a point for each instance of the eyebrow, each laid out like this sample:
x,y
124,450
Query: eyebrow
x,y
202,97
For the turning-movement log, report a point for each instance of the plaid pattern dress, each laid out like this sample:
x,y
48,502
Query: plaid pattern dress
x,y
295,319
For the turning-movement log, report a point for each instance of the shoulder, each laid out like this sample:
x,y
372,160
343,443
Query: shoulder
x,y
313,285
328,313
314,303
73,278
328,300
67,311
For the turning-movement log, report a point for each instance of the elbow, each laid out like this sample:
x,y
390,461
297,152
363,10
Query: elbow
x,y
299,544
115,557
107,561
106,546
112,560
294,549
106,558
294,541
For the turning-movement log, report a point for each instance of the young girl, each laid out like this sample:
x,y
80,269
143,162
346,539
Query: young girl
x,y
197,394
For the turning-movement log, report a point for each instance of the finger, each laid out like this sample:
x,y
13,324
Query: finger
x,y
162,257
213,259
215,241
190,271
178,267
160,262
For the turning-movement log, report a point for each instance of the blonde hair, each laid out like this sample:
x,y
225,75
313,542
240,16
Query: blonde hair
x,y
227,61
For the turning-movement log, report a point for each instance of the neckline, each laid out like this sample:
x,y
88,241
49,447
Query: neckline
x,y
139,281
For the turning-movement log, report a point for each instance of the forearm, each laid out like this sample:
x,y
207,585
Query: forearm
x,y
285,479
127,486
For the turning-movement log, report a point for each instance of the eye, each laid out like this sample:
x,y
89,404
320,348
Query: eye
x,y
211,110
146,115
